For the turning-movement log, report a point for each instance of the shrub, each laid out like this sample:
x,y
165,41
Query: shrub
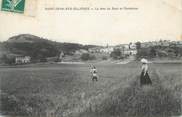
x,y
104,58
144,52
116,54
92,57
87,56
43,60
7,59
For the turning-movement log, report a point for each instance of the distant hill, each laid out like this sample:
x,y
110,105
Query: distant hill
x,y
25,38
38,47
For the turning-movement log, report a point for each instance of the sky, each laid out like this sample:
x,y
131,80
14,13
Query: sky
x,y
152,20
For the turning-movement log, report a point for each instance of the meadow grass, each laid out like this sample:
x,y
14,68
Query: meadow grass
x,y
67,90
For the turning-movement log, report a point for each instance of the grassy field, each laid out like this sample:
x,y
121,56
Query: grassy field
x,y
67,90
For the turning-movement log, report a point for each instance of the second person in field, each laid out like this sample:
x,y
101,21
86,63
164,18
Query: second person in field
x,y
94,75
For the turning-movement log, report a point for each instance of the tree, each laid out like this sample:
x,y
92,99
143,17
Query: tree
x,y
152,52
4,58
130,44
116,54
87,56
8,60
138,45
145,52
104,58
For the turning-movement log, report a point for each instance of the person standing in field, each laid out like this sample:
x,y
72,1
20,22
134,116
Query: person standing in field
x,y
144,78
94,73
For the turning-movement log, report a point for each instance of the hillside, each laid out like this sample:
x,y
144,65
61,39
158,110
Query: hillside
x,y
37,47
25,38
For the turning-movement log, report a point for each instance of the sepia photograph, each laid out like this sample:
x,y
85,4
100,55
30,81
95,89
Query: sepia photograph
x,y
90,58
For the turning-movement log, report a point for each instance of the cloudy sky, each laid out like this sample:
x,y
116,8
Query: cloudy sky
x,y
152,20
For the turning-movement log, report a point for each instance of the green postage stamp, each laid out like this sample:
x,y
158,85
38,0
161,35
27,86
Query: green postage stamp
x,y
13,6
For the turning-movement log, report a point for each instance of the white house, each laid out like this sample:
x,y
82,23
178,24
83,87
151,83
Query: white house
x,y
130,52
122,46
107,50
94,50
80,52
127,49
132,46
22,59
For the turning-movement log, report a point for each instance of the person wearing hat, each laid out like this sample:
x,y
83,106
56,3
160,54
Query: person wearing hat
x,y
144,78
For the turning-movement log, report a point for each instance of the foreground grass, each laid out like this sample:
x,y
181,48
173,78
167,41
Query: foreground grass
x,y
133,101
162,99
66,90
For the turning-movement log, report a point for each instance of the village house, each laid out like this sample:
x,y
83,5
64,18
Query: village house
x,y
22,59
132,46
130,52
176,43
145,45
107,50
163,43
122,46
94,50
127,49
80,52
179,44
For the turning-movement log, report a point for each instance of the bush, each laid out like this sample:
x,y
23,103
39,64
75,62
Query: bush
x,y
144,52
104,58
162,54
152,52
92,57
116,54
87,56
43,60
7,59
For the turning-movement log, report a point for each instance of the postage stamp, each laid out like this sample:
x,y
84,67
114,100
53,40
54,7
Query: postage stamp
x,y
16,6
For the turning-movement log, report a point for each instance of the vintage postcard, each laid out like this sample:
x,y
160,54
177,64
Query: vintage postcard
x,y
90,58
